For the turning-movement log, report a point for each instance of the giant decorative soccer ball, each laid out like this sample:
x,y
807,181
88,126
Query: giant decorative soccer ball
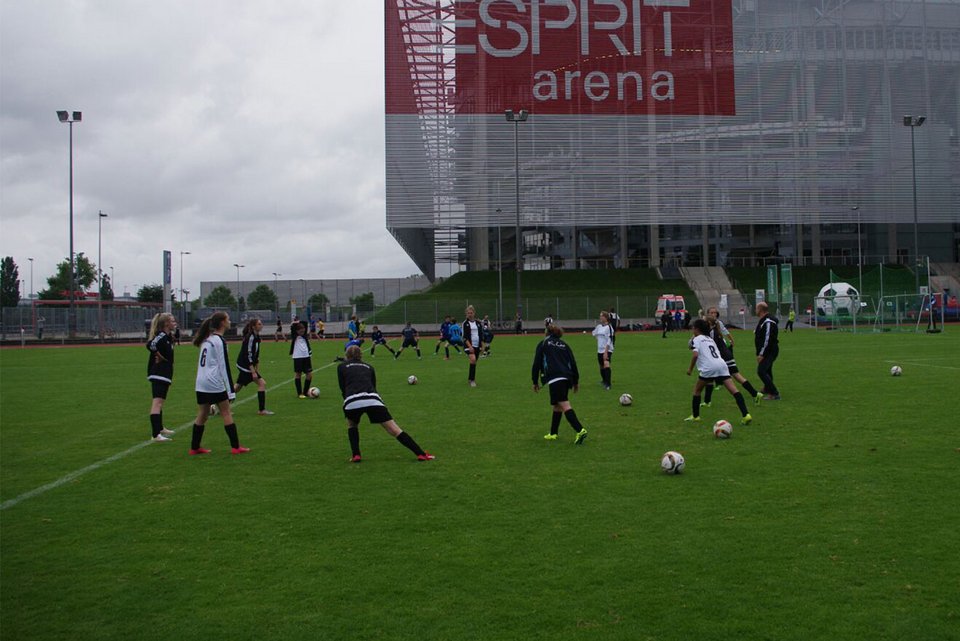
x,y
626,399
672,462
722,429
412,380
896,370
214,410
838,298
313,392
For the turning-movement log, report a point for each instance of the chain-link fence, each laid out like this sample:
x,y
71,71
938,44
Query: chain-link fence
x,y
52,321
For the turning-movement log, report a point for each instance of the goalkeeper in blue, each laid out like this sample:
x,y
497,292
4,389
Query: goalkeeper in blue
x,y
554,366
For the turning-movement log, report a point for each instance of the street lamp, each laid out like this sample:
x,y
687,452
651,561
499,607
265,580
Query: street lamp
x,y
31,278
499,266
183,298
100,217
516,119
913,122
65,116
238,288
275,294
856,208
113,282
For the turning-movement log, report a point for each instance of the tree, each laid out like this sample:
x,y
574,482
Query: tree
x,y
262,298
150,294
106,290
221,296
58,285
364,302
9,283
318,301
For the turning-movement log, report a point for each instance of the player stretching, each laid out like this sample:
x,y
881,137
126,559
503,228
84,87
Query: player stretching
x,y
358,384
160,371
214,386
720,335
300,352
555,366
248,362
712,369
410,339
378,339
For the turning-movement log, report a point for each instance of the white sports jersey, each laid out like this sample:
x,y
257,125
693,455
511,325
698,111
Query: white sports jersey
x,y
300,349
471,331
709,361
212,374
603,334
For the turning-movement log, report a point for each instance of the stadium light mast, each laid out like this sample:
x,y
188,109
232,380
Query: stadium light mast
x,y
276,295
516,119
913,122
68,118
100,217
238,289
183,310
499,267
31,278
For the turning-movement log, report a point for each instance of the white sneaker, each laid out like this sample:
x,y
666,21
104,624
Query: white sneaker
x,y
160,438
167,432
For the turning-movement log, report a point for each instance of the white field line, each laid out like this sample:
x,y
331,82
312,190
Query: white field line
x,y
116,457
919,364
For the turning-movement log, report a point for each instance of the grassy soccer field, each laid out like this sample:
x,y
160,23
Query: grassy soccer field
x,y
834,515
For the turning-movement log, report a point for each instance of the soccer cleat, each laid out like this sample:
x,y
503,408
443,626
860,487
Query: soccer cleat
x,y
746,420
160,438
199,450
606,387
771,397
549,437
581,435
695,419
355,458
265,413
302,396
239,450
473,383
703,404
426,456
167,432
758,398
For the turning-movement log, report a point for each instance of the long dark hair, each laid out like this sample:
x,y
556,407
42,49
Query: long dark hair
x,y
208,326
248,328
294,334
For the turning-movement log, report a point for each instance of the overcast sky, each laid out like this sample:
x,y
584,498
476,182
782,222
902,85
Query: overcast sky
x,y
242,131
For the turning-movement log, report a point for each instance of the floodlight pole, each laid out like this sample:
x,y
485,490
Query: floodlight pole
x,y
913,122
516,119
31,278
276,302
100,217
238,289
499,267
183,312
66,117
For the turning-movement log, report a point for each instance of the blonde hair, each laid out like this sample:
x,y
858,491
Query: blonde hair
x,y
159,320
470,309
354,353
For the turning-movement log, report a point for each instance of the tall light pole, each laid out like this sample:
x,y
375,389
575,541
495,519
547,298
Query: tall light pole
x,y
31,278
183,300
516,119
856,208
113,282
913,122
238,289
66,117
303,294
276,296
499,266
100,217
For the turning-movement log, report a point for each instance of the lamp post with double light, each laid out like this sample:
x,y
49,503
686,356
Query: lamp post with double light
x,y
276,295
913,122
100,217
239,295
516,119
68,118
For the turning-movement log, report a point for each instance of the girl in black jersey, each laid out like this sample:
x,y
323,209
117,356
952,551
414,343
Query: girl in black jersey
x,y
473,339
300,352
160,371
248,364
214,385
555,366
358,384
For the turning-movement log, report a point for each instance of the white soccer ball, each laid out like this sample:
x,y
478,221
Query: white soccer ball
x,y
672,462
412,380
626,399
313,392
214,410
722,429
896,370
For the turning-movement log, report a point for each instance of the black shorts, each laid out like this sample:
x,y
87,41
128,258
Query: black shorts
x,y
381,341
600,358
559,391
715,380
376,414
211,398
159,388
302,365
409,342
244,378
732,366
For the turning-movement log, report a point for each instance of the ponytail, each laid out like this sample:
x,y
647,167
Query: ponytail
x,y
208,326
159,320
248,328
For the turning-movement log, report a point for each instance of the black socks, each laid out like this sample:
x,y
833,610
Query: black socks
x,y
738,397
296,382
573,420
473,372
262,400
555,422
696,406
708,394
353,433
197,437
156,423
231,431
407,441
751,390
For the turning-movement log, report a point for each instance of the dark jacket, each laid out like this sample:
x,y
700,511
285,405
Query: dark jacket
x,y
160,365
765,336
554,359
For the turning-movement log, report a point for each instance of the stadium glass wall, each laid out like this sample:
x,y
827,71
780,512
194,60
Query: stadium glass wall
x,y
698,130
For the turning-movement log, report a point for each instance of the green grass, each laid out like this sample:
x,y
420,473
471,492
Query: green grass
x,y
832,516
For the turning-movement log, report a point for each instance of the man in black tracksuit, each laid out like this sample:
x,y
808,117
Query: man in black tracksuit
x,y
555,366
765,338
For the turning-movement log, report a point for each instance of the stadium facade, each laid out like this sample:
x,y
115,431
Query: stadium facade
x,y
705,132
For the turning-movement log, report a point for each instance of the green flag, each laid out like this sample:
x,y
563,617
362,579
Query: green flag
x,y
786,283
772,289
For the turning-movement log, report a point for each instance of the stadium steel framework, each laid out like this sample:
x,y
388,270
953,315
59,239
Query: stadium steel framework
x,y
820,90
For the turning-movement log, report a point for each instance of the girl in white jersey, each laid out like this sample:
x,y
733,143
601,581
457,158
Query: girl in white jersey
x,y
214,384
604,335
713,370
473,339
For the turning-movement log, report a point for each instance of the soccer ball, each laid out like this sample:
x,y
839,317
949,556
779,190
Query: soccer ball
x,y
722,429
838,298
214,410
896,370
313,392
626,399
412,380
672,462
